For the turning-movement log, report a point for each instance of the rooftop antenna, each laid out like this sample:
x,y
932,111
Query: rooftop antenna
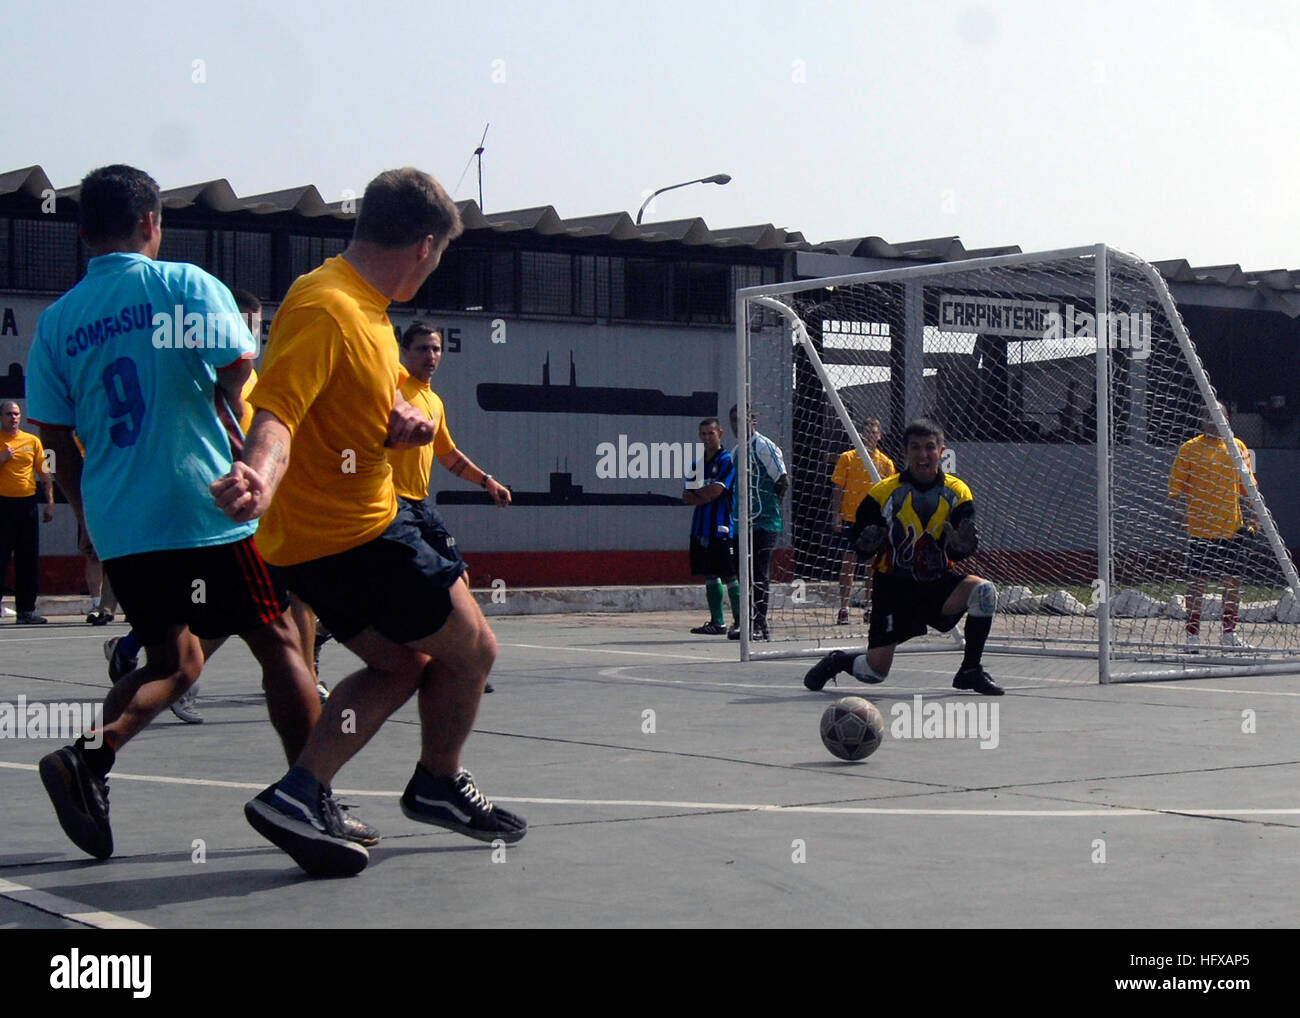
x,y
478,153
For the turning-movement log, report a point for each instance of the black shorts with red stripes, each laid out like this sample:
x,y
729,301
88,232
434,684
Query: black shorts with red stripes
x,y
217,591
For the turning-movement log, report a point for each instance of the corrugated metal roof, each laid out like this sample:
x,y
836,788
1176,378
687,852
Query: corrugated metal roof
x,y
218,196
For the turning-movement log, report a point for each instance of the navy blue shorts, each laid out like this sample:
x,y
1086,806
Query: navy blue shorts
x,y
396,583
433,528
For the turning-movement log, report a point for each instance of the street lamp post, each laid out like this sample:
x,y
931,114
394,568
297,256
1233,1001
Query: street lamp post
x,y
717,178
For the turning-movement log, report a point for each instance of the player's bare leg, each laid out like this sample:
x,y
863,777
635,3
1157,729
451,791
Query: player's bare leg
x,y
304,621
848,567
291,698
1195,596
393,674
977,599
76,777
170,668
1231,610
449,697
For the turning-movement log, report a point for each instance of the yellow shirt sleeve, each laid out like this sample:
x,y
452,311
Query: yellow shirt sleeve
x,y
1178,474
297,365
841,474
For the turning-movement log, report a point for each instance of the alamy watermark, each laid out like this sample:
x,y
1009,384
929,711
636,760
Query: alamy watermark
x,y
181,330
952,719
653,460
1046,320
54,720
1114,329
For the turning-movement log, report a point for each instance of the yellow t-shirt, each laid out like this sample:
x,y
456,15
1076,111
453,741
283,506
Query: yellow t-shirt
x,y
246,421
411,467
18,475
1203,471
856,480
330,375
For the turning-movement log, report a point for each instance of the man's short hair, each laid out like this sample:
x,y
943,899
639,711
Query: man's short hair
x,y
7,403
867,422
247,303
711,422
402,207
418,328
1207,414
922,427
753,416
113,200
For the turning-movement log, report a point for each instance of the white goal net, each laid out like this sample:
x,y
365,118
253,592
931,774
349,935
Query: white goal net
x,y
1066,385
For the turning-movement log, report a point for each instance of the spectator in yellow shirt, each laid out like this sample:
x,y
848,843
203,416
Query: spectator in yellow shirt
x,y
22,472
1207,494
850,483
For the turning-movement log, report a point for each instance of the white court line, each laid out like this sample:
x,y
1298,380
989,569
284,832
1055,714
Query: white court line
x,y
632,653
1081,683
745,807
66,908
50,636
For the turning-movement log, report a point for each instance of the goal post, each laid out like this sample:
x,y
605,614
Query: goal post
x,y
1066,384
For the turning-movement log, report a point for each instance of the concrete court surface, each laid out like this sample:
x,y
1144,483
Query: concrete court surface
x,y
1122,806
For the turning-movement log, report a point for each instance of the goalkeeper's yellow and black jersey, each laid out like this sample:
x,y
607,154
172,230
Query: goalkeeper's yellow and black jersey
x,y
913,516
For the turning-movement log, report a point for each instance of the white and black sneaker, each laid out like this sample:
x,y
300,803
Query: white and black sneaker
x,y
314,834
457,804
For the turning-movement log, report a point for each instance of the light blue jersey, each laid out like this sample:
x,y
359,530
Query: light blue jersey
x,y
127,357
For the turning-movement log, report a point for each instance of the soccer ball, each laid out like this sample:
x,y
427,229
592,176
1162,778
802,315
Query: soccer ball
x,y
852,728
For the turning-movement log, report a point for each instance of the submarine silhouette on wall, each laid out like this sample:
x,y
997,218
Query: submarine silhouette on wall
x,y
562,492
591,399
12,384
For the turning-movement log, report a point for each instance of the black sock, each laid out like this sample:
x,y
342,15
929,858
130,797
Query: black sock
x,y
99,758
977,632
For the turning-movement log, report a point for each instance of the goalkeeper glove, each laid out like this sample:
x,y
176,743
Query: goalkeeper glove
x,y
962,540
870,539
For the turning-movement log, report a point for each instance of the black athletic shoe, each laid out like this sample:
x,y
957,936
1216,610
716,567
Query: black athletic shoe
x,y
827,668
358,830
487,688
30,619
80,799
755,634
119,665
977,680
710,628
457,804
99,617
314,834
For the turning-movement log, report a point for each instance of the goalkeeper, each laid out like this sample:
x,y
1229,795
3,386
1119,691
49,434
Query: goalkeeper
x,y
914,525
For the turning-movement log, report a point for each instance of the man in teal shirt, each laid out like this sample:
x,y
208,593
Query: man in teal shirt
x,y
768,483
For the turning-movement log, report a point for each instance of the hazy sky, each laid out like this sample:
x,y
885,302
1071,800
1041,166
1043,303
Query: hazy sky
x,y
1161,128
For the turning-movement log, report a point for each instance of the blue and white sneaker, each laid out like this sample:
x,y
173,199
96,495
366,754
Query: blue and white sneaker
x,y
312,833
120,664
457,804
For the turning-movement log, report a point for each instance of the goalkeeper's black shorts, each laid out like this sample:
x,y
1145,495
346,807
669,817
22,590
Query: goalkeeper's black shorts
x,y
902,608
